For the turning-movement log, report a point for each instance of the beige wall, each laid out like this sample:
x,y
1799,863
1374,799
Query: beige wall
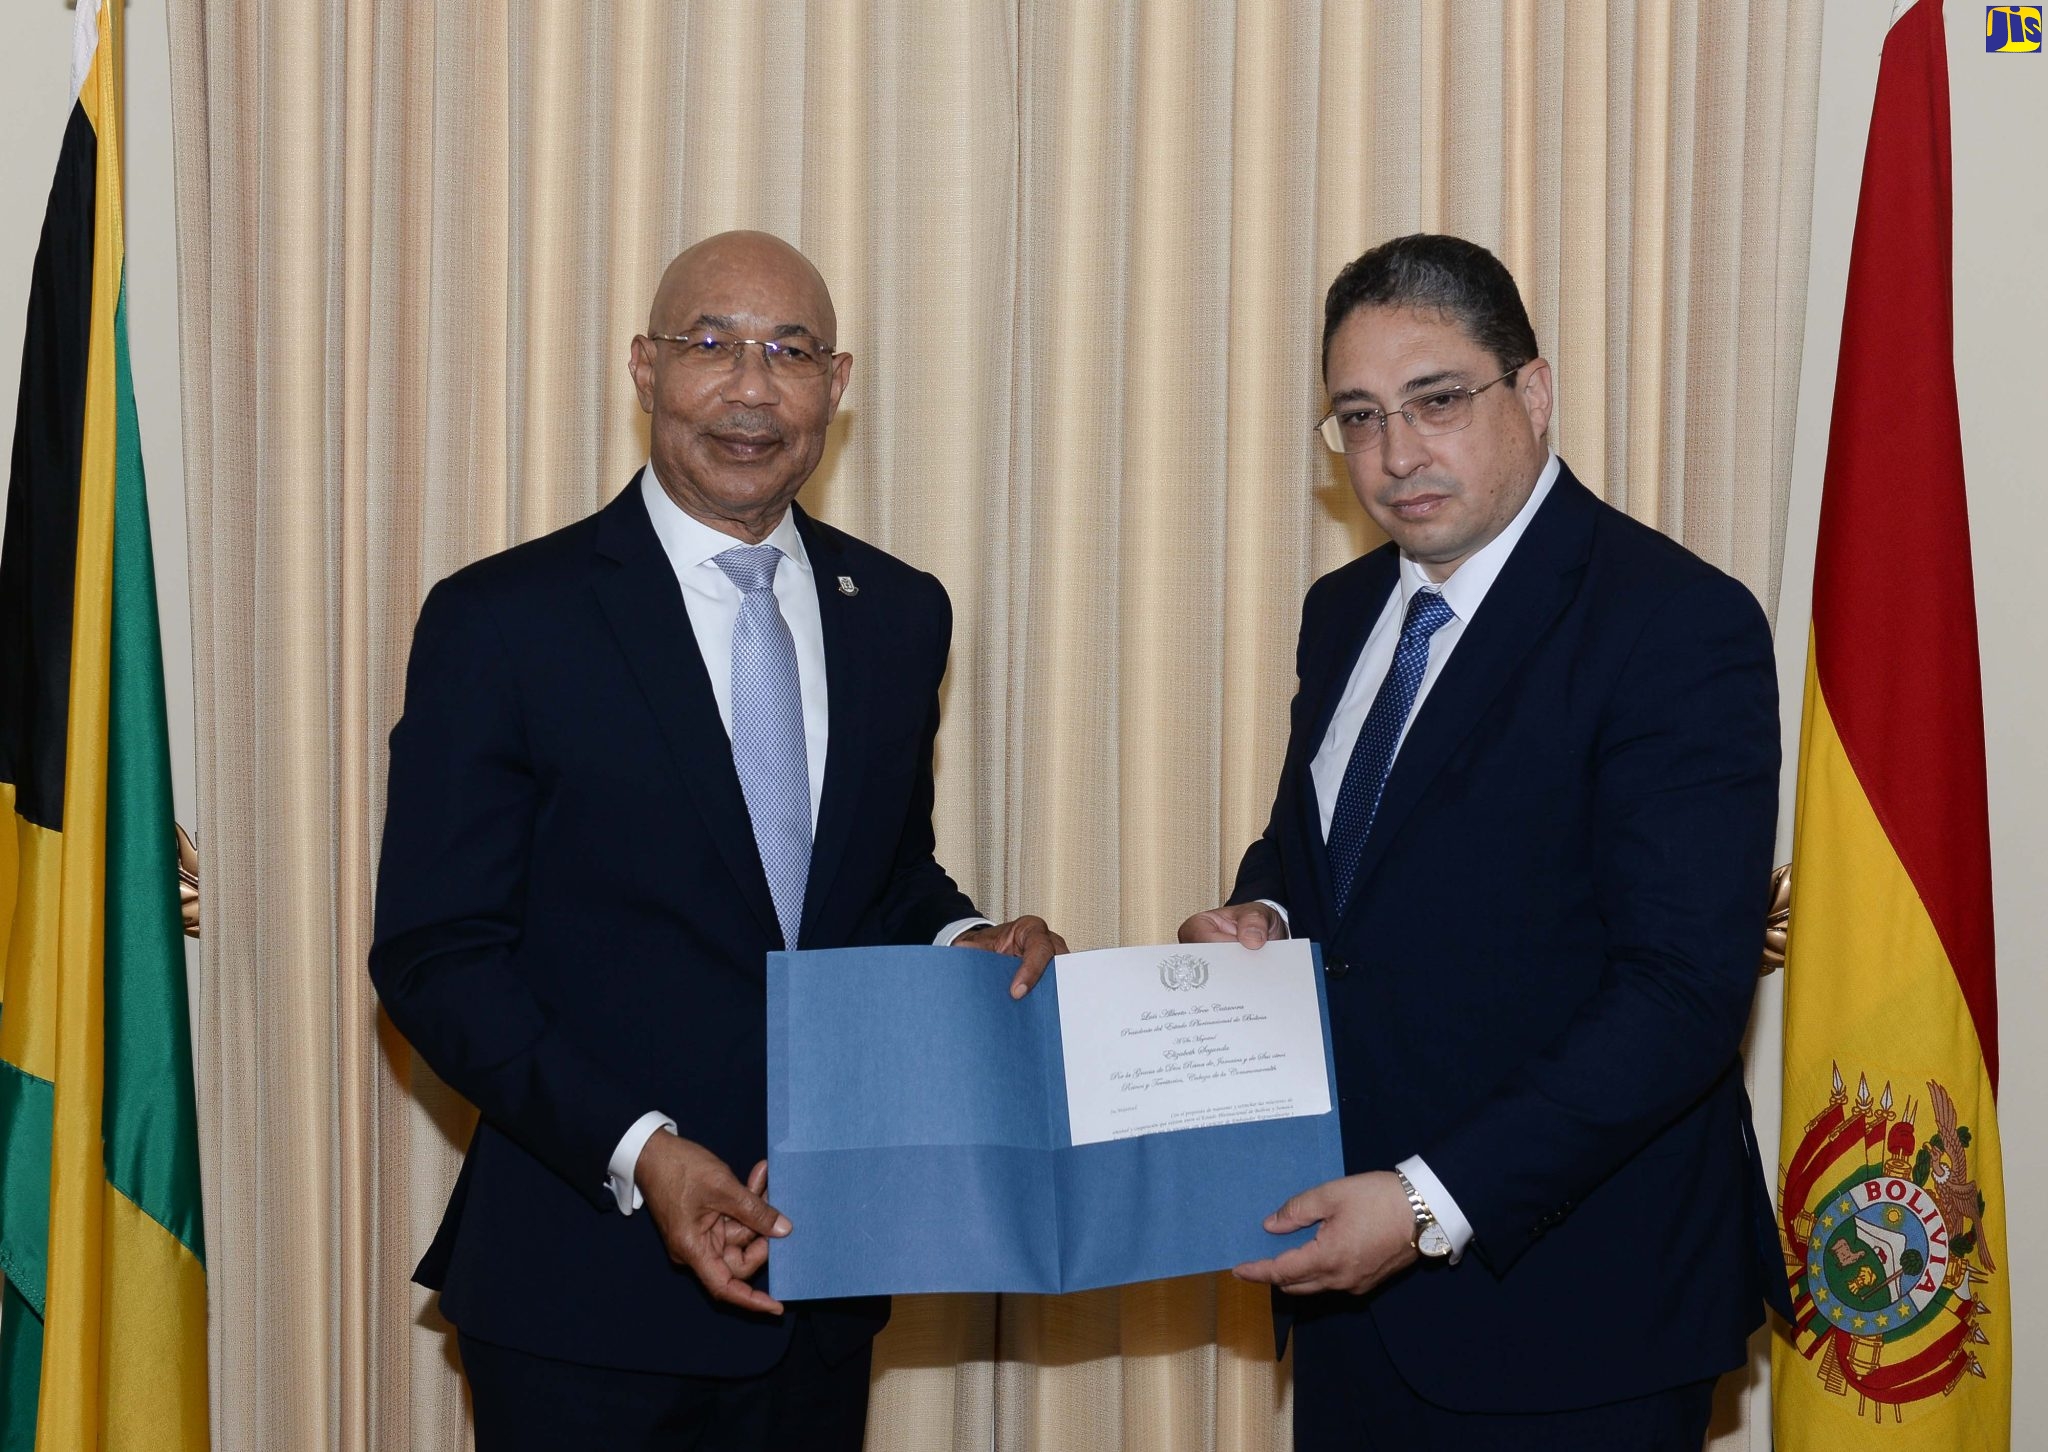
x,y
2000,114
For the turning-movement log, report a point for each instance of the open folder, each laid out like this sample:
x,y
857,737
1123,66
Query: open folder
x,y
1136,1116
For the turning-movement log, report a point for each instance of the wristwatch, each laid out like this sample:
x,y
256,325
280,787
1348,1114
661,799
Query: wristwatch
x,y
1430,1238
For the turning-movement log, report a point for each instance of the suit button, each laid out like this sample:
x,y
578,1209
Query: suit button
x,y
1336,967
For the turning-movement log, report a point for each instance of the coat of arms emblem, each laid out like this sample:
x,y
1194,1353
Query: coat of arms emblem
x,y
1183,972
1884,1249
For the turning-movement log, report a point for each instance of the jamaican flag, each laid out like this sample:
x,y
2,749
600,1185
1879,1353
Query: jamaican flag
x,y
103,1315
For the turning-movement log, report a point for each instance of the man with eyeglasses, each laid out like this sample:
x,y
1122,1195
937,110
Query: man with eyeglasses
x,y
638,755
1527,808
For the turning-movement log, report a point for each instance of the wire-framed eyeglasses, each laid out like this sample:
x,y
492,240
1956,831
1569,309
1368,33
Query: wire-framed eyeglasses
x,y
713,350
1442,411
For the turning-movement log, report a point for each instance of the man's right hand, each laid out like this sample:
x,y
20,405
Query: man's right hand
x,y
710,1223
1249,923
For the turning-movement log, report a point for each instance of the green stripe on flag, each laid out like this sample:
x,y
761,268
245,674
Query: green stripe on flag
x,y
21,1371
27,1110
149,1118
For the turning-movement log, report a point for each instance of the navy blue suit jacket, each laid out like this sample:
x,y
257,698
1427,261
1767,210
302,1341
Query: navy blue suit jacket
x,y
1544,975
572,919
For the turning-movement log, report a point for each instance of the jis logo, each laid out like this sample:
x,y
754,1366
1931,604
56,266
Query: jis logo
x,y
2012,29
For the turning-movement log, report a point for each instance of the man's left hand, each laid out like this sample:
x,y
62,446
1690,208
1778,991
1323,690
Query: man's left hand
x,y
1027,938
1367,1233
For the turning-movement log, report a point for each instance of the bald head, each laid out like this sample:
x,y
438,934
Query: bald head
x,y
755,266
735,431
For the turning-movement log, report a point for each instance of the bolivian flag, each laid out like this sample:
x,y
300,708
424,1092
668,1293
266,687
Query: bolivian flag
x,y
1891,1205
103,1323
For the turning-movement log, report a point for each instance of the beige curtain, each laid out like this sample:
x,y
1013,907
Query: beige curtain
x,y
1078,250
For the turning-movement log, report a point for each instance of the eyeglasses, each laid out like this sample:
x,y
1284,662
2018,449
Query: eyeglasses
x,y
1353,430
710,350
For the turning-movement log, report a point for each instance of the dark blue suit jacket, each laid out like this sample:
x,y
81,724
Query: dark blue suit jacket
x,y
572,918
1543,979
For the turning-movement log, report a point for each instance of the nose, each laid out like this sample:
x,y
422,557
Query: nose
x,y
1402,449
749,379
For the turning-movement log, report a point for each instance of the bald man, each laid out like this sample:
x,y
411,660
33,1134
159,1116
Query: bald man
x,y
637,756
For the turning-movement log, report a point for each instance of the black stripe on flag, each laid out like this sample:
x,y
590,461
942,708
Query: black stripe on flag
x,y
40,560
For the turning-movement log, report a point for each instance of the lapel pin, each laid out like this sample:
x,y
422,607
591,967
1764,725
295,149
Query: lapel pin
x,y
847,587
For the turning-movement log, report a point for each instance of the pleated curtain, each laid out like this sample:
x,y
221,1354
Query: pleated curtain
x,y
1078,251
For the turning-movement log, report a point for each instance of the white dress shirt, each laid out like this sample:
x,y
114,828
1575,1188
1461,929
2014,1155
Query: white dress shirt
x,y
713,602
1463,592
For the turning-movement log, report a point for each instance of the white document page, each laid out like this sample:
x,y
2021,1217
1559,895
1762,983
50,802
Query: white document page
x,y
1189,1035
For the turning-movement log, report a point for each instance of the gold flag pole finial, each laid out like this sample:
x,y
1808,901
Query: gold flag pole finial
x,y
1778,923
188,881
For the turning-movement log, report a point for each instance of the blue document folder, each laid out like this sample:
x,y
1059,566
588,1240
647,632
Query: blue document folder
x,y
918,1141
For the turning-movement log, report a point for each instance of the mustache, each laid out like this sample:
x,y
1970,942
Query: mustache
x,y
754,423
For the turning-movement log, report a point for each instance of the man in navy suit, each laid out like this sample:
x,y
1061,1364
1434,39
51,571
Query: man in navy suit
x,y
1527,808
638,755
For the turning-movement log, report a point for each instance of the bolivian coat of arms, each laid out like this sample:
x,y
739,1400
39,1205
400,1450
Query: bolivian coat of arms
x,y
1183,971
1884,1249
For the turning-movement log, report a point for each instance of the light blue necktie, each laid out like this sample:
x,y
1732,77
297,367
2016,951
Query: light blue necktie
x,y
1365,775
768,732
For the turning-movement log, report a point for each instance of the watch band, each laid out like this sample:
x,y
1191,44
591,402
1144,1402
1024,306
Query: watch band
x,y
1424,1216
1431,1241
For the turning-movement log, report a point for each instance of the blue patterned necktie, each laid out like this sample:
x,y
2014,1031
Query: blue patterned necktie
x,y
768,732
1365,775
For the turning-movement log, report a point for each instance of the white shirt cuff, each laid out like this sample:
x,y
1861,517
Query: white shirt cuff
x,y
626,1158
1440,1204
951,932
1280,910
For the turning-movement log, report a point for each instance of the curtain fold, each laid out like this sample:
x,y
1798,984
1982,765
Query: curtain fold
x,y
1078,251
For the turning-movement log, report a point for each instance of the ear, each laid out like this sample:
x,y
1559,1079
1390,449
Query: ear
x,y
640,363
1535,396
842,371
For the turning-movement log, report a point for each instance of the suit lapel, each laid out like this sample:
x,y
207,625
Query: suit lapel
x,y
636,587
1533,588
849,623
1356,615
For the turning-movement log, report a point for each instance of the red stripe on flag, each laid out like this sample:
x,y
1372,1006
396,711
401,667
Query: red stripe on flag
x,y
1894,613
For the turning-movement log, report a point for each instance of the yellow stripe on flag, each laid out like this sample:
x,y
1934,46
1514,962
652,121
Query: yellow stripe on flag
x,y
155,1352
68,1414
31,859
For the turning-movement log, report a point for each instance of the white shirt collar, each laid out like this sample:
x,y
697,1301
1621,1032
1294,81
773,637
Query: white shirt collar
x,y
689,542
1469,583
